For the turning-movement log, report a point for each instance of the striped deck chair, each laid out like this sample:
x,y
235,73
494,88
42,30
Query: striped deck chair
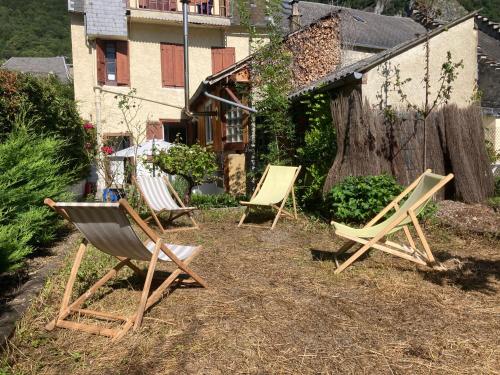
x,y
373,235
157,193
107,227
273,189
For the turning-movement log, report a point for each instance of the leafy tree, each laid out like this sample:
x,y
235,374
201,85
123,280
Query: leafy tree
x,y
196,164
50,107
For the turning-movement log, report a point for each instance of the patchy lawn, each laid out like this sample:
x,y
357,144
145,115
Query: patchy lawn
x,y
274,306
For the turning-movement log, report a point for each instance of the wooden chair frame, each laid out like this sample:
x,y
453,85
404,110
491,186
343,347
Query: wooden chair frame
x,y
280,209
147,300
411,253
172,216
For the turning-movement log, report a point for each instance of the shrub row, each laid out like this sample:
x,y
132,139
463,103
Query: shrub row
x,y
31,168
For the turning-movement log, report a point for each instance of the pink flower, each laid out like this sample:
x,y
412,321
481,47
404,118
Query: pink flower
x,y
88,126
107,150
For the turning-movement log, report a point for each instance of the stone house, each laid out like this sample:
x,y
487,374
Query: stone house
x,y
135,48
367,75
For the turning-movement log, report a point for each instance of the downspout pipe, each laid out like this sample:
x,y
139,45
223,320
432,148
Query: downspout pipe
x,y
218,98
185,24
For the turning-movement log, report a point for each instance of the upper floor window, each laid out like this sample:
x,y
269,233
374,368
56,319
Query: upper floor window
x,y
172,65
112,62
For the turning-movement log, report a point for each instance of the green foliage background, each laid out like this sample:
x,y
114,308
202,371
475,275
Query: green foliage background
x,y
34,28
50,108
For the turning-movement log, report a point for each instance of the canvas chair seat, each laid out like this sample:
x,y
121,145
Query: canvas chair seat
x,y
275,187
107,227
157,194
418,194
180,251
272,190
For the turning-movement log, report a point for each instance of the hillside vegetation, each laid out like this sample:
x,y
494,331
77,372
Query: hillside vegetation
x,y
34,28
489,8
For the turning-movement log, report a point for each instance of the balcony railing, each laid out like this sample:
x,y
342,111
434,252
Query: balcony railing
x,y
204,7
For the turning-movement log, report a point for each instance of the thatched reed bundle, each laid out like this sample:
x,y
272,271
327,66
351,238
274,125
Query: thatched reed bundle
x,y
369,143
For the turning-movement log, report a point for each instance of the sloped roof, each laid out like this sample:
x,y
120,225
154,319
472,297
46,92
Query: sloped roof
x,y
354,71
360,28
106,18
41,66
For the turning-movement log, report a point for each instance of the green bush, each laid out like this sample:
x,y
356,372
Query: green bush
x,y
497,186
49,106
31,169
494,203
359,199
195,164
215,201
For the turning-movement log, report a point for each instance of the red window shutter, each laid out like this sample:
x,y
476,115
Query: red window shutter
x,y
179,66
217,60
154,130
167,65
222,58
172,65
122,64
228,57
101,62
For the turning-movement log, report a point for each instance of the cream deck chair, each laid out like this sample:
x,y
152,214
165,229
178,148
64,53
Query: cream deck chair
x,y
106,226
420,192
157,193
274,188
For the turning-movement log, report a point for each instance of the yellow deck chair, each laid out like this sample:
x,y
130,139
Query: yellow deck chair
x,y
373,235
272,190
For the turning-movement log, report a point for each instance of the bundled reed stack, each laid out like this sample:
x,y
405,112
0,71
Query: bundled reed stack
x,y
371,142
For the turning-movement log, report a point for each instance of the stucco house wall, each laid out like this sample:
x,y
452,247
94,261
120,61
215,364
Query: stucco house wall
x,y
412,65
157,102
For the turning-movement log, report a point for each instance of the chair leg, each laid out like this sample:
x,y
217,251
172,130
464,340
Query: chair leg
x,y
245,214
422,238
294,202
275,221
157,220
353,257
147,285
69,285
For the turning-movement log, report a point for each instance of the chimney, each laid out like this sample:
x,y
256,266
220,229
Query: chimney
x,y
294,18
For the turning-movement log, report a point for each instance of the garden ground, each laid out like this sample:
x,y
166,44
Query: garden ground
x,y
274,306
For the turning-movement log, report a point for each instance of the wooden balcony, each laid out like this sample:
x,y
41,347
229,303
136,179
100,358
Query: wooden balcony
x,y
217,8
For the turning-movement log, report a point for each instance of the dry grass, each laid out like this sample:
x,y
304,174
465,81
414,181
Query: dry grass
x,y
274,306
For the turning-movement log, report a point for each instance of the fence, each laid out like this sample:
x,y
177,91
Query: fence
x,y
370,143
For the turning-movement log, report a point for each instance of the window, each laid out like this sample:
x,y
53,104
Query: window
x,y
222,58
204,7
117,142
172,65
112,62
209,131
175,130
110,59
234,124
